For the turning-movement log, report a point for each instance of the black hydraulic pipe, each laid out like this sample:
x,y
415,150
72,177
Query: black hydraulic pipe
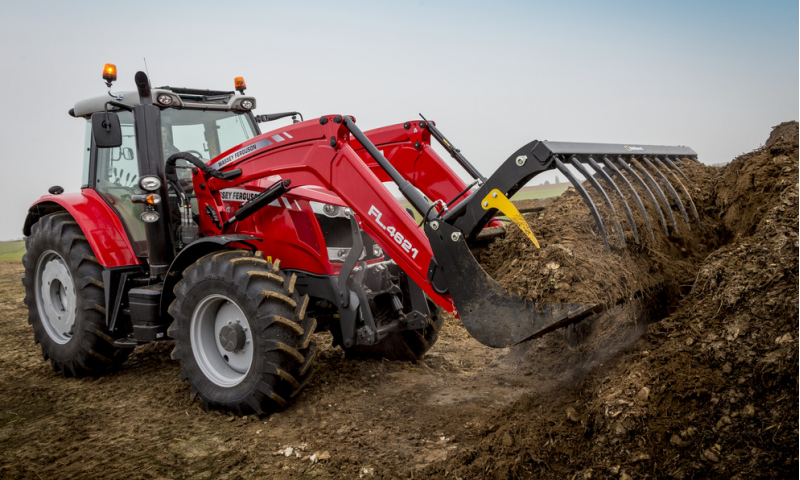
x,y
586,198
634,194
408,190
171,173
659,193
467,189
593,182
259,201
453,151
606,178
169,167
649,194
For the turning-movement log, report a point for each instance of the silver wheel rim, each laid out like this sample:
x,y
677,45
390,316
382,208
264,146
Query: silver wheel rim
x,y
55,297
222,367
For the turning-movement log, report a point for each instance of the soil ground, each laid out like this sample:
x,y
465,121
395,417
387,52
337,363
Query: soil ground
x,y
694,376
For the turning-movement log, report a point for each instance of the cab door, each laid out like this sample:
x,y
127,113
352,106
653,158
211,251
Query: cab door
x,y
116,178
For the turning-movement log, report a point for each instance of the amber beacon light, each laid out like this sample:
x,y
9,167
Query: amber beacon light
x,y
240,85
109,73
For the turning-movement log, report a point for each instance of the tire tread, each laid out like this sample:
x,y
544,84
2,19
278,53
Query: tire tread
x,y
285,352
91,350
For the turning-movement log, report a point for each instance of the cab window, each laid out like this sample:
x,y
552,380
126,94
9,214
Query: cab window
x,y
117,178
87,150
205,134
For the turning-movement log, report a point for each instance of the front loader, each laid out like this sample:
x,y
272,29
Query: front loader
x,y
193,225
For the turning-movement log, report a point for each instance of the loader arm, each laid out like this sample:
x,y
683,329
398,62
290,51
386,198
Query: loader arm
x,y
437,258
407,146
319,154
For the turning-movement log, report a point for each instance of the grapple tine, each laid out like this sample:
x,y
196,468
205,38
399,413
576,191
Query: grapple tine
x,y
638,201
614,187
647,191
659,193
586,198
671,190
672,165
593,182
685,191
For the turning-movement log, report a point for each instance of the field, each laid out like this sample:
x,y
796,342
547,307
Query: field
x,y
690,373
12,251
541,191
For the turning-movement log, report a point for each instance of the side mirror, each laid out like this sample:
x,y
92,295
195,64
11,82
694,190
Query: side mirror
x,y
106,130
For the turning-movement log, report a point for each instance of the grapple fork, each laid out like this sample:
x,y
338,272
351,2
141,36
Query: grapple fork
x,y
491,314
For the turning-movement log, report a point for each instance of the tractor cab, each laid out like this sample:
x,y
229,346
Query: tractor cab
x,y
204,123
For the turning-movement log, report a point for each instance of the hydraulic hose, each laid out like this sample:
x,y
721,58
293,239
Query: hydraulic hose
x,y
170,171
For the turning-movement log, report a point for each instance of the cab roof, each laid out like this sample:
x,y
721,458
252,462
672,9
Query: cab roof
x,y
180,98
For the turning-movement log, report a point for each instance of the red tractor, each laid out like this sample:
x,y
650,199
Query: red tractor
x,y
194,225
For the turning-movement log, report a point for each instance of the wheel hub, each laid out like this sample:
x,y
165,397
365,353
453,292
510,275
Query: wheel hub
x,y
221,340
55,297
232,337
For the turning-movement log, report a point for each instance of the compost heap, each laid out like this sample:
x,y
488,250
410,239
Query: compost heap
x,y
695,375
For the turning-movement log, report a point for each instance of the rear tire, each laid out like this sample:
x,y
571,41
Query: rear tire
x,y
241,333
406,345
65,299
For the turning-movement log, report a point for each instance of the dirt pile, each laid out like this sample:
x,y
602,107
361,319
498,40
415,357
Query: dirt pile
x,y
573,265
709,391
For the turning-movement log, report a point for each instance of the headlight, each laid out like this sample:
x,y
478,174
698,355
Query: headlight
x,y
377,251
149,217
165,99
150,183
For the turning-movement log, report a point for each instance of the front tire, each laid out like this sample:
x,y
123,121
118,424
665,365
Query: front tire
x,y
65,299
241,333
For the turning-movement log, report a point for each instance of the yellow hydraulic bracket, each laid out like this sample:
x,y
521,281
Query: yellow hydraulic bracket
x,y
496,199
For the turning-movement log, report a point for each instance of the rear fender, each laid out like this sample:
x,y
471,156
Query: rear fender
x,y
102,227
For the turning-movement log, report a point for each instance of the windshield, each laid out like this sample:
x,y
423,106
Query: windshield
x,y
205,134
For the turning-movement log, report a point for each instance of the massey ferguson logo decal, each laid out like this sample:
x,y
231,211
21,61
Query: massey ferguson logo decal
x,y
633,149
241,153
263,143
237,195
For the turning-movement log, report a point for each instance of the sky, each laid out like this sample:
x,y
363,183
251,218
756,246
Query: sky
x,y
712,75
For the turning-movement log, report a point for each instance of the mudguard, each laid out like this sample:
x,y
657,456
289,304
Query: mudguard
x,y
102,227
190,254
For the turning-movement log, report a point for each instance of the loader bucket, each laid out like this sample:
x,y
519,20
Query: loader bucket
x,y
493,315
488,311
